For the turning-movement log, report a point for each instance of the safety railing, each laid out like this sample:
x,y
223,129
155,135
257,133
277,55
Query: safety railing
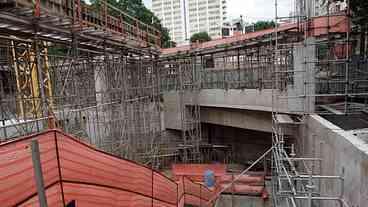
x,y
102,19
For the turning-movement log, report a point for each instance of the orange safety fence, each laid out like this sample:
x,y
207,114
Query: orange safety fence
x,y
243,184
75,171
196,171
17,185
193,193
249,184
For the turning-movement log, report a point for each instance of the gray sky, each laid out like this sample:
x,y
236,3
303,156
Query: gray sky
x,y
253,10
148,3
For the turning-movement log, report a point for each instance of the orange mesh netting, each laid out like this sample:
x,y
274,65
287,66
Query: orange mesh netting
x,y
73,170
196,171
243,185
193,193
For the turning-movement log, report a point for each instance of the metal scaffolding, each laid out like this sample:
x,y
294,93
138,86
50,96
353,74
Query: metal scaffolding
x,y
321,76
111,100
183,76
67,65
99,76
95,73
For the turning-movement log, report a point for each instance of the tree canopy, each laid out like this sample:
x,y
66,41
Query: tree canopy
x,y
201,37
137,9
260,25
360,11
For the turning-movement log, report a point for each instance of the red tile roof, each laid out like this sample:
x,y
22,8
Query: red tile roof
x,y
317,26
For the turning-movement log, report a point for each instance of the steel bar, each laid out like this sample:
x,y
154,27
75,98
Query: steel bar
x,y
36,160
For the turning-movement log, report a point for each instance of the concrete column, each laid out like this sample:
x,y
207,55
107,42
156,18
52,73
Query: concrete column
x,y
101,113
303,88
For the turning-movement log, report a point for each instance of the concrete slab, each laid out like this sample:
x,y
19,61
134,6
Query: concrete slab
x,y
284,119
240,107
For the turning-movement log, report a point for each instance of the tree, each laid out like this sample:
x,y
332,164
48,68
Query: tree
x,y
261,25
201,37
360,18
136,8
166,41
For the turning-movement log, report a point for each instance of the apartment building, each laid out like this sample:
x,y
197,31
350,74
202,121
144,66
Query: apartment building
x,y
184,18
319,7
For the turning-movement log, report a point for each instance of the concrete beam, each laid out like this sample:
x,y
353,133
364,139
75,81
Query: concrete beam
x,y
251,99
246,109
244,119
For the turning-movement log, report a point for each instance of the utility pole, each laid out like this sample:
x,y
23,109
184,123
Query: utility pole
x,y
185,20
36,159
241,24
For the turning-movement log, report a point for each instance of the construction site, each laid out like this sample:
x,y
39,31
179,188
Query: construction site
x,y
93,112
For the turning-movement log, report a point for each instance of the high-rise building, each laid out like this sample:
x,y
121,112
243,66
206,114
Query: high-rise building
x,y
184,18
313,8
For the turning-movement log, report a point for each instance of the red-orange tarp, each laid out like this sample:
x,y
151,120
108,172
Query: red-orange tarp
x,y
74,170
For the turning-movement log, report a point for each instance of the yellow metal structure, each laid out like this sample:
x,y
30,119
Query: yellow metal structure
x,y
29,84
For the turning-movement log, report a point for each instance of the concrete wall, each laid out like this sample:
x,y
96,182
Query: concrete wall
x,y
342,152
172,115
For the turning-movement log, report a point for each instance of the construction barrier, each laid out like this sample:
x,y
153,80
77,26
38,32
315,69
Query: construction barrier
x,y
75,171
196,171
193,193
252,184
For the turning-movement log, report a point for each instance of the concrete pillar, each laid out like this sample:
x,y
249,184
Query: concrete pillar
x,y
302,90
102,138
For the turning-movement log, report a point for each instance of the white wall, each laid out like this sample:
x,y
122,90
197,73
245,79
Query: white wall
x,y
342,153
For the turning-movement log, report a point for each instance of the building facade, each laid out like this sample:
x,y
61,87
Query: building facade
x,y
184,18
313,8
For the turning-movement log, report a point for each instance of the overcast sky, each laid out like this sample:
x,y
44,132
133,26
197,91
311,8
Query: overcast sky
x,y
253,10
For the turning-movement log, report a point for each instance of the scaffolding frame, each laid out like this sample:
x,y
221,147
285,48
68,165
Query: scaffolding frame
x,y
297,181
182,75
107,86
92,74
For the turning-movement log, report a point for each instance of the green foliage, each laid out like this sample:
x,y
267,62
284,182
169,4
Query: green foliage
x,y
165,38
57,50
201,37
360,11
261,25
136,8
